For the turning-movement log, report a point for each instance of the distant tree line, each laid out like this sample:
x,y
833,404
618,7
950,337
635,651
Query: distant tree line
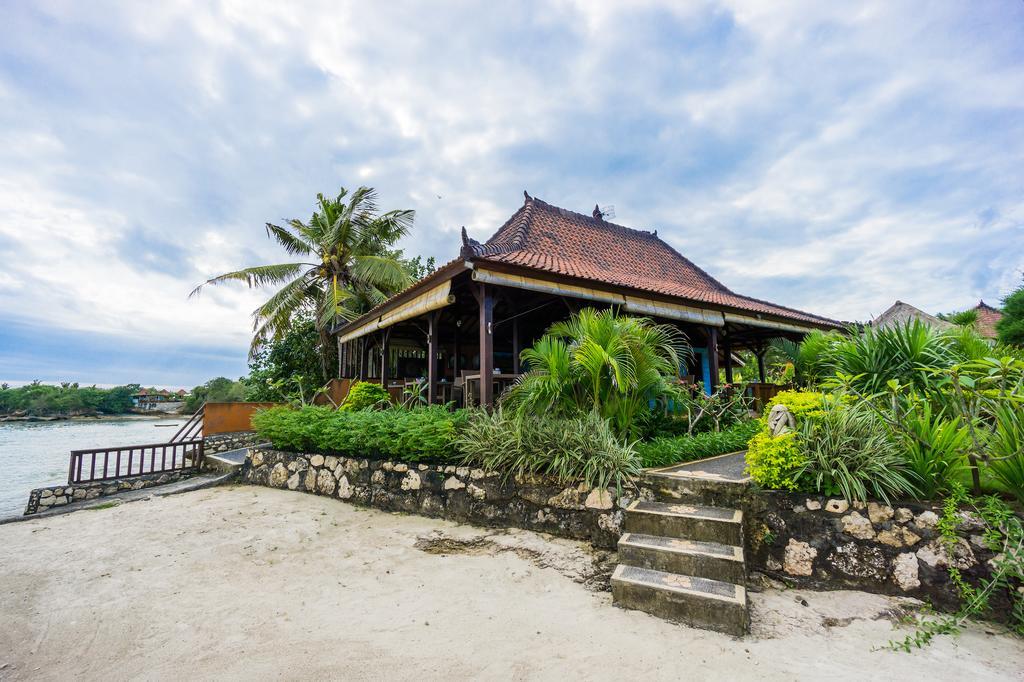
x,y
67,399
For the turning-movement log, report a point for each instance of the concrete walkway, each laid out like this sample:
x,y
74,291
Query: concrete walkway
x,y
730,468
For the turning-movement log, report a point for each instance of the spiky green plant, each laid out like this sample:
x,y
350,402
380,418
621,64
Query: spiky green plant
x,y
568,449
874,356
935,449
1006,448
811,357
599,361
849,452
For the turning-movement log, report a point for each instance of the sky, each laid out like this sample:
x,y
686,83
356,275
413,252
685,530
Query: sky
x,y
832,157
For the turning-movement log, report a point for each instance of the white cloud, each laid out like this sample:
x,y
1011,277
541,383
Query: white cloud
x,y
827,158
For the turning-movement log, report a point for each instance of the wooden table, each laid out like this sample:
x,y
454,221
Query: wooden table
x,y
502,379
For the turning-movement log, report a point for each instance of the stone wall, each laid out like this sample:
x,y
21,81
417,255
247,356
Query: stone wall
x,y
42,499
450,492
829,543
222,442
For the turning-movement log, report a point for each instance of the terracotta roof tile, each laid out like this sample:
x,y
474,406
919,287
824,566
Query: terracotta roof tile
x,y
987,319
552,239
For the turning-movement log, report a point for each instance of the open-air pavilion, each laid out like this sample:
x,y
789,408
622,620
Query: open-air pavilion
x,y
472,316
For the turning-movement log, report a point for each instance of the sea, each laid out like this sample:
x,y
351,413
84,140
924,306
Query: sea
x,y
35,454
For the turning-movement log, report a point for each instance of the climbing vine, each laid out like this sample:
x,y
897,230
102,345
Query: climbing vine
x,y
1004,535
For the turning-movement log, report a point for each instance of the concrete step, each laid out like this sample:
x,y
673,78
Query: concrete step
x,y
695,489
688,557
689,521
700,602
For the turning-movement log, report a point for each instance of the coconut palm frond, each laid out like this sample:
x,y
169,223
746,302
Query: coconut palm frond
x,y
295,244
255,277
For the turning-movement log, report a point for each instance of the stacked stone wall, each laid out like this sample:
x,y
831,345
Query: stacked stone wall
x,y
42,499
445,491
222,442
891,549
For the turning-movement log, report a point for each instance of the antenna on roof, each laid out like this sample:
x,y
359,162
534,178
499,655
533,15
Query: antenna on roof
x,y
602,212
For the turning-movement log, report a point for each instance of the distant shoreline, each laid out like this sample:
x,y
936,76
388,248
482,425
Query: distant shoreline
x,y
132,416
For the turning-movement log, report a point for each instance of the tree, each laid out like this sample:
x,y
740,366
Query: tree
x,y
1011,327
348,268
277,368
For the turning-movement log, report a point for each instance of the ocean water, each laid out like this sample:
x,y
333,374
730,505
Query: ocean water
x,y
35,454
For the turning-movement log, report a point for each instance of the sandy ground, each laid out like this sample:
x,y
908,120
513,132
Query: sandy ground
x,y
247,582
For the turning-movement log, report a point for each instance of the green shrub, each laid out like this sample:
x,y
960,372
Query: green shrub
x,y
364,395
422,434
670,450
847,451
774,462
803,404
570,450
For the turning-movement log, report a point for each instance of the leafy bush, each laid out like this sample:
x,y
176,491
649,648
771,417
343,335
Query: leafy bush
x,y
423,434
669,450
598,360
803,404
364,395
568,449
848,452
774,462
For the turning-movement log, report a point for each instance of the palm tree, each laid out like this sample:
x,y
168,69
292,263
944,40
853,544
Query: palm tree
x,y
348,267
602,362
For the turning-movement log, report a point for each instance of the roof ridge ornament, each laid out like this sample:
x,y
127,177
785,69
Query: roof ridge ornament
x,y
526,196
597,213
470,246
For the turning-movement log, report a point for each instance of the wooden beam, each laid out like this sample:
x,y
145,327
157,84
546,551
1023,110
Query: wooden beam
x,y
515,346
727,346
486,346
385,352
432,347
713,358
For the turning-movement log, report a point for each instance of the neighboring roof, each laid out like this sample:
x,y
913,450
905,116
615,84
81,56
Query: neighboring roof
x,y
900,313
987,319
545,237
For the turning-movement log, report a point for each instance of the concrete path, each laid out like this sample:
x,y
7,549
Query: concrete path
x,y
730,467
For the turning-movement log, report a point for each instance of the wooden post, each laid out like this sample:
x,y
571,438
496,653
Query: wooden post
x,y
457,367
385,352
515,345
432,357
713,358
727,345
760,366
486,346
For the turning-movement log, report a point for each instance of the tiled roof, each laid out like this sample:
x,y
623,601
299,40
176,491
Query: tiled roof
x,y
544,237
987,319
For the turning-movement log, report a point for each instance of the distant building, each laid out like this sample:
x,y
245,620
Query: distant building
x,y
900,313
987,319
151,398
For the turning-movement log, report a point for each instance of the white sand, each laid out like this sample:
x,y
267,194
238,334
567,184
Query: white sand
x,y
248,582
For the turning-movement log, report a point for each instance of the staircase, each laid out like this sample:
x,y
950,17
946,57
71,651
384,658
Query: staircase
x,y
682,559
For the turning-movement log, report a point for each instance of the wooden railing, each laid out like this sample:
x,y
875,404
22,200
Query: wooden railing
x,y
105,464
193,428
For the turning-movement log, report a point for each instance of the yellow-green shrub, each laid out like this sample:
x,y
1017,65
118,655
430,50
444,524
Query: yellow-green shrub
x,y
773,461
803,404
